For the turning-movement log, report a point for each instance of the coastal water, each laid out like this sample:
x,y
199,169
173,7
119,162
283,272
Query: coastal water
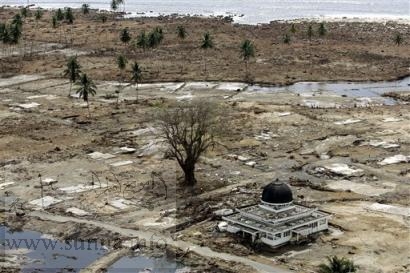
x,y
252,12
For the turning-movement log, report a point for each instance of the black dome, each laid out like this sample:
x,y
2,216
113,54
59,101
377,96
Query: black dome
x,y
277,193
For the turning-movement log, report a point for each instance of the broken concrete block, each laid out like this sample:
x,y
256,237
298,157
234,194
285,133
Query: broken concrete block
x,y
395,159
324,156
45,202
392,119
343,169
100,156
223,212
222,226
127,150
29,105
383,144
242,158
49,181
81,188
250,163
121,163
348,121
404,211
284,114
119,203
77,211
3,185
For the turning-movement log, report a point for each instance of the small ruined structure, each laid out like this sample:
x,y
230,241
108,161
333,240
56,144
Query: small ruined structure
x,y
276,220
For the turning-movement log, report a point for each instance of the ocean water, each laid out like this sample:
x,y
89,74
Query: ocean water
x,y
251,11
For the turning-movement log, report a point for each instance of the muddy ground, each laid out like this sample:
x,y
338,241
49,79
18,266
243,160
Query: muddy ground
x,y
45,132
271,135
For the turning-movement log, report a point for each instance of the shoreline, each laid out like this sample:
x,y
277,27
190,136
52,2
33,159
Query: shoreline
x,y
238,19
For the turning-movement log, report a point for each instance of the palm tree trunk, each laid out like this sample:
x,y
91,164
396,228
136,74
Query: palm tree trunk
x,y
69,91
88,107
204,60
118,98
137,92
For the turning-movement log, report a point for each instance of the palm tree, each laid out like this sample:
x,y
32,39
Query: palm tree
x,y
322,29
54,21
122,64
181,32
155,37
310,32
286,38
398,39
38,15
103,18
337,265
17,20
60,15
86,88
136,75
3,29
119,2
247,52
125,36
85,8
160,33
293,29
14,33
207,43
72,71
69,16
114,5
142,41
4,33
24,11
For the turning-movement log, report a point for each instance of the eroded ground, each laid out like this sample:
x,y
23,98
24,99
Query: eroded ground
x,y
349,161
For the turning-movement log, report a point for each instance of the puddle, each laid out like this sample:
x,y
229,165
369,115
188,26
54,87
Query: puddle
x,y
363,93
47,255
345,89
143,264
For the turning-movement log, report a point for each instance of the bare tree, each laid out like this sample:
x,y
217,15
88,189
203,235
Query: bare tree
x,y
190,129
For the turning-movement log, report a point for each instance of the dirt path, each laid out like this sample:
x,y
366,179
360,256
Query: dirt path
x,y
160,238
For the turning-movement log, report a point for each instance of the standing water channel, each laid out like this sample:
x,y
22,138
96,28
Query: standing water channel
x,y
371,90
34,252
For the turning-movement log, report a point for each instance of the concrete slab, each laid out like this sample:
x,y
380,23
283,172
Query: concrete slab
x,y
45,202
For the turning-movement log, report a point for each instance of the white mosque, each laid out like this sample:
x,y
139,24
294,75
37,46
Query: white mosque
x,y
277,220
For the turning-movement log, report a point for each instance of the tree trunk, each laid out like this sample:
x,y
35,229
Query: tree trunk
x,y
88,107
189,171
118,99
69,91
